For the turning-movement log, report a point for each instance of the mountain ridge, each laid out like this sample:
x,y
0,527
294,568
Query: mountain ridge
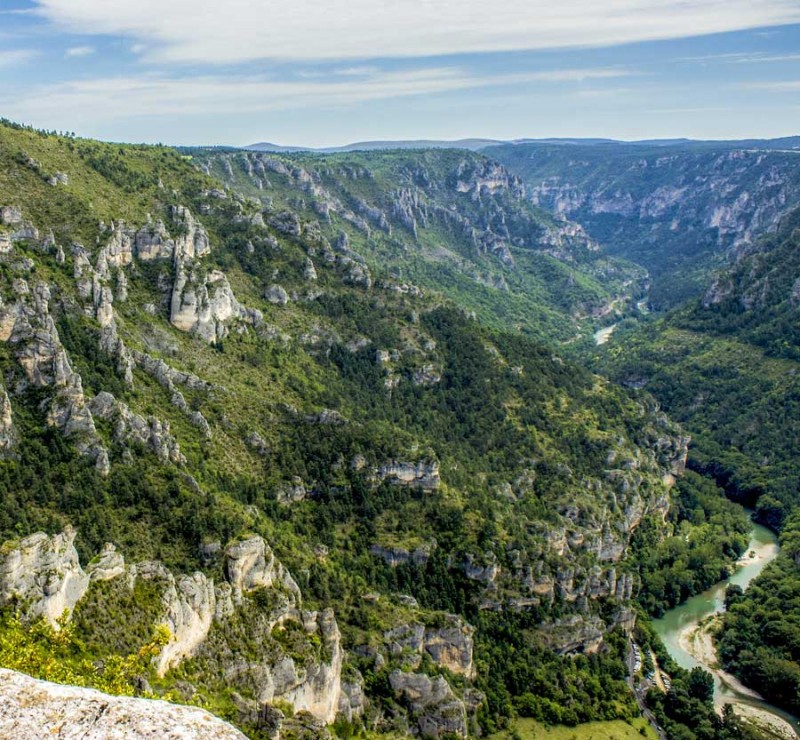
x,y
479,144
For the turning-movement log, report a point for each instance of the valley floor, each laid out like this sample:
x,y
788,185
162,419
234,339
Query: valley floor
x,y
529,729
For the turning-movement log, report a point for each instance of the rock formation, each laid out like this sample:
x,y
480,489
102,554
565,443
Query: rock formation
x,y
34,709
449,646
434,706
8,436
424,475
43,576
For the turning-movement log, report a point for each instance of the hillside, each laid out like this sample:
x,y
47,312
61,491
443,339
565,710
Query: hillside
x,y
451,221
677,209
345,498
727,367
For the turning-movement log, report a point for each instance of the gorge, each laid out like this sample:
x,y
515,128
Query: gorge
x,y
386,443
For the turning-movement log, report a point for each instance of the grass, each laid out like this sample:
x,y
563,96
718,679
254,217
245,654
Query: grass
x,y
529,729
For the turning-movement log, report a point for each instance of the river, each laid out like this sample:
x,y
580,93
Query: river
x,y
689,644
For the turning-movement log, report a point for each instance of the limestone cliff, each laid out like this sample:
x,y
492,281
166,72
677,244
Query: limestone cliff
x,y
42,576
678,210
445,213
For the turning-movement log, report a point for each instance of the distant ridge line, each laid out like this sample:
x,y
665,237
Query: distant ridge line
x,y
478,144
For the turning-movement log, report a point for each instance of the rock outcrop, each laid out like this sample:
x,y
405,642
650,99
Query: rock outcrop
x,y
352,700
423,475
450,646
33,709
204,304
130,427
31,331
395,556
436,709
43,574
8,435
574,634
251,564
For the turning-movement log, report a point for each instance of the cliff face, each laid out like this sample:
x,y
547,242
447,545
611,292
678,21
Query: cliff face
x,y
30,329
764,278
677,210
443,220
44,577
44,574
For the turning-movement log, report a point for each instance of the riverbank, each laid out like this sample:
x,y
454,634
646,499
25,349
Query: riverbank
x,y
688,633
698,641
762,554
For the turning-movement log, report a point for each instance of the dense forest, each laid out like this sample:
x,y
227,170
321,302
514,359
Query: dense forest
x,y
412,466
418,458
726,367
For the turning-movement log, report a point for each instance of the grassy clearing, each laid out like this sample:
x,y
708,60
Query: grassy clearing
x,y
529,729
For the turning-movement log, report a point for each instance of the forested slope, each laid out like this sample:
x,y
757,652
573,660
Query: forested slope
x,y
345,498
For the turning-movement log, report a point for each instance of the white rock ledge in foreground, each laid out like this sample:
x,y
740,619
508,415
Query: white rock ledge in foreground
x,y
32,709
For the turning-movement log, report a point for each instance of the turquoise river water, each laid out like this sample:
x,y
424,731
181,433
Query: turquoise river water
x,y
681,619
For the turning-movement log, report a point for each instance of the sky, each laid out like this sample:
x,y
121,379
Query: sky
x,y
303,72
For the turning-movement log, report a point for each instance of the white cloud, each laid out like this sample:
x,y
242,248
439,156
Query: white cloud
x,y
698,109
607,92
206,31
782,86
760,58
79,51
155,95
749,57
575,75
13,57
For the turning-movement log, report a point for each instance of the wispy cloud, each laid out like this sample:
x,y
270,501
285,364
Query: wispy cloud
x,y
606,92
773,86
79,51
201,31
156,95
578,75
13,57
693,110
768,58
750,57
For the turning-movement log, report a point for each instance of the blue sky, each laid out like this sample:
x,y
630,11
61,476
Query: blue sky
x,y
311,73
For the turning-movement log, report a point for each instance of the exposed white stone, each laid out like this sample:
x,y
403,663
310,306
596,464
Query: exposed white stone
x,y
251,564
32,709
8,436
45,574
